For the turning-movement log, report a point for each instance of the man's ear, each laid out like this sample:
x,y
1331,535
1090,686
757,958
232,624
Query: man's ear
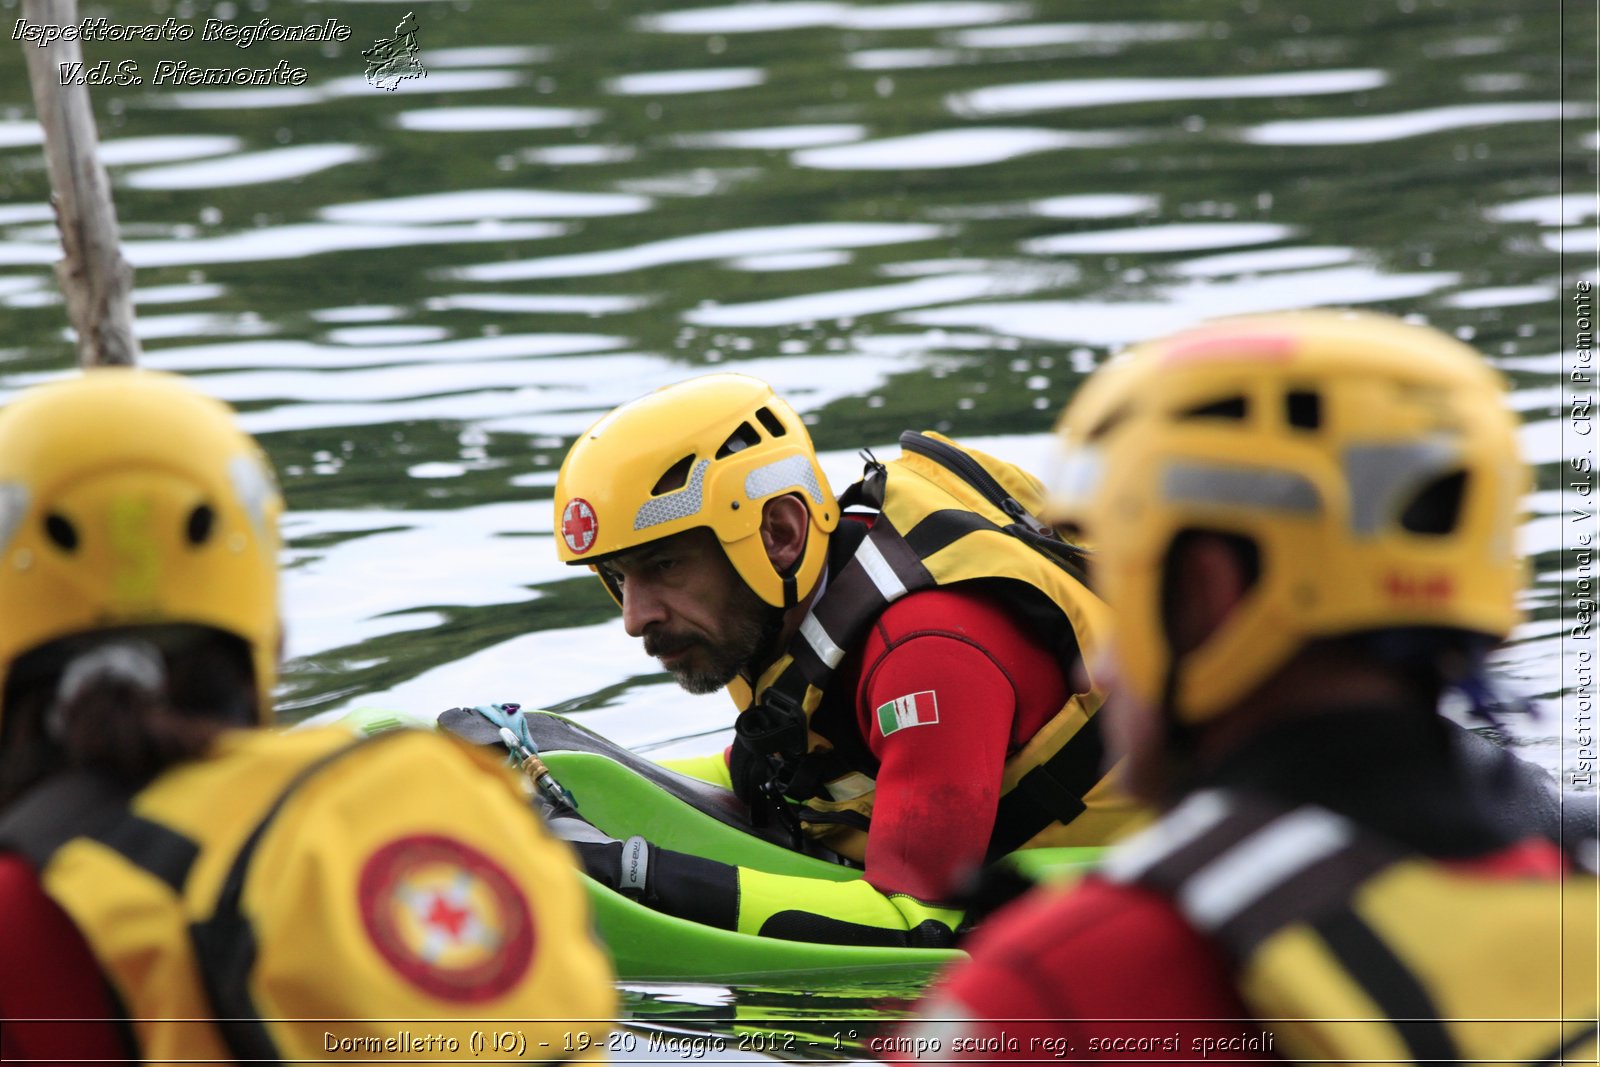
x,y
785,522
1207,575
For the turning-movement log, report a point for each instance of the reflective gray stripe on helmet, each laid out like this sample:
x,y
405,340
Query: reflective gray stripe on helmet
x,y
787,473
253,483
1079,474
1194,483
1383,477
13,509
678,504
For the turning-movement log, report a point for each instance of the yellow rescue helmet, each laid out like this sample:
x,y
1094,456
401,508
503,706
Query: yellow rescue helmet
x,y
1373,464
707,452
128,498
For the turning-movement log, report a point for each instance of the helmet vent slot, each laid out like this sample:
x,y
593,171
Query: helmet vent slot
x,y
739,440
674,478
770,421
198,528
1233,407
1437,508
1106,425
61,531
1303,409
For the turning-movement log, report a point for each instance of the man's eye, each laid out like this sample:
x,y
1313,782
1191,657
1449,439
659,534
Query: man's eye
x,y
664,564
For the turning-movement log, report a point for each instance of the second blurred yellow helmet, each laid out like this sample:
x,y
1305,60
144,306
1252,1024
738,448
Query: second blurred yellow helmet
x,y
1372,463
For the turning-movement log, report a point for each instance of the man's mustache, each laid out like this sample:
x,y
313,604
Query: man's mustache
x,y
660,643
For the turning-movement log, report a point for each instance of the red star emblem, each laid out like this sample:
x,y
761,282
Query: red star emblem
x,y
444,915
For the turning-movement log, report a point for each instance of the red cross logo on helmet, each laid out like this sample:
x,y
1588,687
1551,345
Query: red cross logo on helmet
x,y
578,525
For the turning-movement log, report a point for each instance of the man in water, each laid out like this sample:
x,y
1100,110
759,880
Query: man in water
x,y
903,671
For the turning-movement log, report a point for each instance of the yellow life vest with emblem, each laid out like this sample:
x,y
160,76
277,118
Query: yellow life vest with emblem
x,y
1352,949
945,514
304,896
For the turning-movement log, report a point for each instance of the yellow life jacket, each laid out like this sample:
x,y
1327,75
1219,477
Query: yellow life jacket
x,y
304,896
946,514
1351,949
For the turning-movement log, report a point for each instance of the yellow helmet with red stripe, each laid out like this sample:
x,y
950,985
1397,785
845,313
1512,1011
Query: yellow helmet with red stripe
x,y
1372,463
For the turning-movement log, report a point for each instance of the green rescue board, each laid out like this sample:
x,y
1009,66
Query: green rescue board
x,y
647,944
625,794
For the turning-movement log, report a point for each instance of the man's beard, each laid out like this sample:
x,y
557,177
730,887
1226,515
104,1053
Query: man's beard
x,y
750,638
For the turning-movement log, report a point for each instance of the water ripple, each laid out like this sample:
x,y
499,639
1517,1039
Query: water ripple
x,y
15,213
1093,205
1111,323
279,354
1556,210
704,246
15,134
902,58
293,242
821,307
773,137
136,150
306,95
579,155
802,14
520,304
1263,261
1099,34
1030,97
971,147
1372,129
487,119
487,56
252,168
1175,237
470,205
790,261
679,82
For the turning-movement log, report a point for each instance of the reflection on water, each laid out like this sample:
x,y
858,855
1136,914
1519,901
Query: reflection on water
x,y
923,214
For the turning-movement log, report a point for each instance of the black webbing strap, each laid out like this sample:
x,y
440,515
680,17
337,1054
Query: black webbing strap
x,y
225,944
1051,792
1390,984
941,529
81,804
853,600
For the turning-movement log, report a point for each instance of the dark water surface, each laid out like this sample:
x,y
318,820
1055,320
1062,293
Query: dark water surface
x,y
933,213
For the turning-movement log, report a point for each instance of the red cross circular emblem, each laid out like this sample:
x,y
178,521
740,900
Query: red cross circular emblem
x,y
446,917
578,525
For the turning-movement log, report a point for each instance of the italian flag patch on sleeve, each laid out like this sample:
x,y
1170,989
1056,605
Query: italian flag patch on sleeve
x,y
916,709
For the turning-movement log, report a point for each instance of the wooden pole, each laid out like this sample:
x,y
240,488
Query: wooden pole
x,y
96,281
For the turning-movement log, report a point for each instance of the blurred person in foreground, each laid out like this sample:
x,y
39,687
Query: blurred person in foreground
x,y
1304,523
178,883
899,658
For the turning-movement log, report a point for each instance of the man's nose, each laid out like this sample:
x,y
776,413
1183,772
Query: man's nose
x,y
640,607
